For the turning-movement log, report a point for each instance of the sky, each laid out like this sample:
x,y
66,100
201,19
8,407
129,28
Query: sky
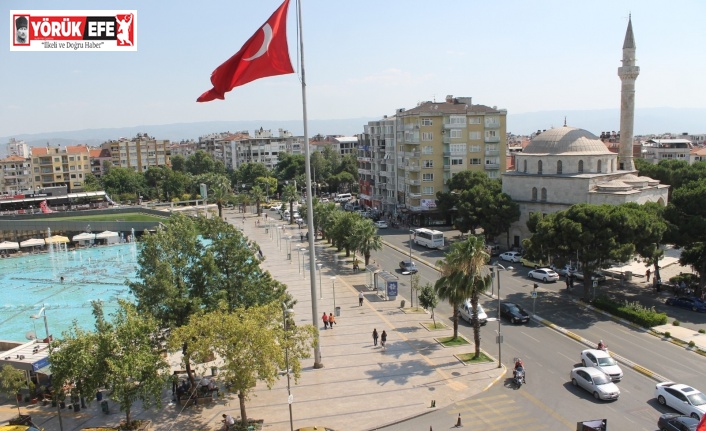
x,y
362,59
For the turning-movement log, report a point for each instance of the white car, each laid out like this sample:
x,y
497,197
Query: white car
x,y
596,382
466,312
603,361
682,398
563,270
511,256
544,274
381,224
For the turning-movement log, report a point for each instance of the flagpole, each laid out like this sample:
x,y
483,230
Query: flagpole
x,y
309,200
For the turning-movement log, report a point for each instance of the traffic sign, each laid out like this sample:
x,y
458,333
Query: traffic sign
x,y
534,294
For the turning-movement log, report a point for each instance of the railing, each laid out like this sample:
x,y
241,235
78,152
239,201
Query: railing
x,y
492,139
492,166
412,168
412,182
492,152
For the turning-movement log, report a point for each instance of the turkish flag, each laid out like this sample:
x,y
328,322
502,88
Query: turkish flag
x,y
264,54
702,424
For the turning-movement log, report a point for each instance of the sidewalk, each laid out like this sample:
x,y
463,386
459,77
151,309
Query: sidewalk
x,y
360,387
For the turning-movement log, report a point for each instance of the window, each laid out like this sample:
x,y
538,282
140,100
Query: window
x,y
427,149
492,121
492,174
427,136
491,134
599,166
427,190
534,193
474,148
474,136
539,167
457,119
580,166
456,133
456,162
427,122
473,120
457,148
427,177
428,163
474,162
559,167
524,163
544,194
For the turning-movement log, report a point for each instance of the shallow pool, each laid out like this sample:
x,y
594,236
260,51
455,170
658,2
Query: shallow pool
x,y
28,282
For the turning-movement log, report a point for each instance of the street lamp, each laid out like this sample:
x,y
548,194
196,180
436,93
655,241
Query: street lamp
x,y
303,259
43,312
411,291
288,248
333,283
498,267
319,266
290,399
299,266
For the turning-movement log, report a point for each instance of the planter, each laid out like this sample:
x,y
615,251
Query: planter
x,y
135,425
21,420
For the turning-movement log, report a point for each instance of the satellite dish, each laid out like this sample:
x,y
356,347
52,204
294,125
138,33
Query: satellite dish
x,y
31,335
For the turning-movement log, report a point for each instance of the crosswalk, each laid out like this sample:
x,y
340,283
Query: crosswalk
x,y
496,412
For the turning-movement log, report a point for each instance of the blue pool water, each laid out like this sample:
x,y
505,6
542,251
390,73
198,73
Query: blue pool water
x,y
28,282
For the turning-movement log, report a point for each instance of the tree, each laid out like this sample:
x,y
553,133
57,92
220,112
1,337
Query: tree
x,y
343,222
251,343
12,381
178,163
289,194
364,238
249,172
91,183
290,166
258,195
219,189
122,181
200,163
268,184
429,300
461,278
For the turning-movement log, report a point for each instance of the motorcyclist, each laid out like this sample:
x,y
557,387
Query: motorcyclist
x,y
602,346
519,366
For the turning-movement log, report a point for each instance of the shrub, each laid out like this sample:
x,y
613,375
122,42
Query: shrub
x,y
631,311
667,334
689,279
676,323
692,344
702,331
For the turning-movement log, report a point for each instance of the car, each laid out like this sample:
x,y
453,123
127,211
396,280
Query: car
x,y
531,263
603,361
596,382
690,303
595,277
381,224
544,274
465,310
513,312
564,269
682,398
408,266
675,422
492,249
511,256
324,200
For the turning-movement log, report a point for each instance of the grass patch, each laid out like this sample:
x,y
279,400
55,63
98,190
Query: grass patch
x,y
414,310
450,342
434,327
112,217
468,358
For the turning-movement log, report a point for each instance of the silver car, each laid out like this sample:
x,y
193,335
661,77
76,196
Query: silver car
x,y
603,361
596,382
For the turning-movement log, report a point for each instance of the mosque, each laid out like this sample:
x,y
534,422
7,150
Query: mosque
x,y
564,166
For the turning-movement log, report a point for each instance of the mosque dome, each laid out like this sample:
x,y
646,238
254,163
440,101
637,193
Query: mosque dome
x,y
563,140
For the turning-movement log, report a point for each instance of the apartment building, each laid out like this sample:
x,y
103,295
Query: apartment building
x,y
139,153
56,167
377,173
436,140
15,175
98,157
264,147
656,150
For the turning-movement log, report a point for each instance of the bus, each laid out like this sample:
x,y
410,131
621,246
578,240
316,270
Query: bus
x,y
429,238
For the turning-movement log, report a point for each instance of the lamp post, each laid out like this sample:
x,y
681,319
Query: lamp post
x,y
498,267
321,293
43,312
411,291
288,248
303,264
290,399
299,266
333,285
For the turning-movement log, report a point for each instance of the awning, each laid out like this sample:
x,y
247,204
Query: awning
x,y
106,234
9,245
33,242
85,236
57,239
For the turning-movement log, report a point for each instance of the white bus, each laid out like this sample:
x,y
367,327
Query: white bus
x,y
429,238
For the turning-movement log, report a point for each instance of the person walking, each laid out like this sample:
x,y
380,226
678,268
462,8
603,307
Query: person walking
x,y
360,299
383,339
375,337
647,274
325,319
331,320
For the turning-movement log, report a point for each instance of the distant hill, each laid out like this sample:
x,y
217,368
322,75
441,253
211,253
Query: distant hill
x,y
647,121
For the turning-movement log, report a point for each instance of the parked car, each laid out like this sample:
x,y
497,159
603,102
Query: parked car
x,y
675,422
466,312
690,303
564,269
544,274
381,224
682,398
595,277
513,312
603,361
408,266
596,382
511,256
530,263
492,249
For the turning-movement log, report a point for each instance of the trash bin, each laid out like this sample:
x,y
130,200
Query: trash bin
x,y
338,311
628,275
214,371
104,407
99,396
77,407
402,303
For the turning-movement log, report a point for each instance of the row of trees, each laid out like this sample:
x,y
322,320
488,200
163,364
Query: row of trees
x,y
200,291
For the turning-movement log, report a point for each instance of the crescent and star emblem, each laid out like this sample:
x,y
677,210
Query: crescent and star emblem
x,y
267,31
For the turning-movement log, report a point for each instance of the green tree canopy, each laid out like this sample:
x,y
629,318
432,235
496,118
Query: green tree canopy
x,y
200,163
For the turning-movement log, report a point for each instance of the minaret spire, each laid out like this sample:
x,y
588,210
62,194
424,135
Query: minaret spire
x,y
628,73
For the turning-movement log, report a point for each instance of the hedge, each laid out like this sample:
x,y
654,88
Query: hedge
x,y
631,311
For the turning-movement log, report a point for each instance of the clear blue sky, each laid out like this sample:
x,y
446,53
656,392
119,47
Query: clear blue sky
x,y
363,58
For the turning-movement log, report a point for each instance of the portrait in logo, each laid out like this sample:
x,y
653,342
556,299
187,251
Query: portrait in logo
x,y
21,30
124,27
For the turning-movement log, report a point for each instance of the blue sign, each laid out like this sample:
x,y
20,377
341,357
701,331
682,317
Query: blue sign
x,y
40,363
391,288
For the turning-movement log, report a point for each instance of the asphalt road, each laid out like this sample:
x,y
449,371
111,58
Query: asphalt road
x,y
549,401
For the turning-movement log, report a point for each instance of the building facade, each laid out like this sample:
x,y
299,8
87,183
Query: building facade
x,y
57,167
377,170
15,175
139,153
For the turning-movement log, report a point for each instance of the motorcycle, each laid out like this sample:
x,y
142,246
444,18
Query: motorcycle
x,y
518,374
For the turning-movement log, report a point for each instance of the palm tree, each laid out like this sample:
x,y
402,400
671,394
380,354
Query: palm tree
x,y
461,278
220,188
258,195
365,238
289,194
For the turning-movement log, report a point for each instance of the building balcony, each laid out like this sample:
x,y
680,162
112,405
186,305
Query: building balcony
x,y
415,195
364,172
492,125
364,159
492,166
492,139
492,153
447,168
412,182
387,174
412,168
449,126
413,154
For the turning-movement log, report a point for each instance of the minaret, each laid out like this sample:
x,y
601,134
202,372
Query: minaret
x,y
628,74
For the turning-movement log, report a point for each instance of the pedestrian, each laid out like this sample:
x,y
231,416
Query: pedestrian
x,y
567,281
325,319
647,274
331,320
383,338
375,337
360,299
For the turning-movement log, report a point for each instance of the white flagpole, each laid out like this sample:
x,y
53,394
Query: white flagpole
x,y
309,200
